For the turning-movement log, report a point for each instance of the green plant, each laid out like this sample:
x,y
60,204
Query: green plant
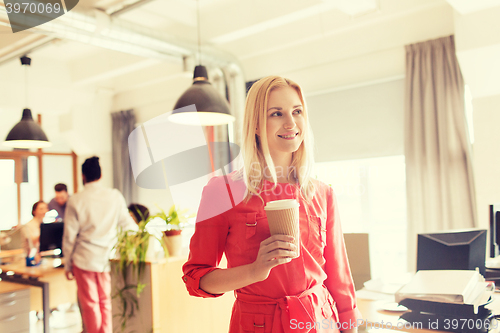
x,y
175,219
131,248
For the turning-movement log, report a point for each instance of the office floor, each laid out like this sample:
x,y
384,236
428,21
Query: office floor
x,y
65,320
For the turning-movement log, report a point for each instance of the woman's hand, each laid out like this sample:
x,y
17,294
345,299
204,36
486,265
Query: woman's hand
x,y
274,251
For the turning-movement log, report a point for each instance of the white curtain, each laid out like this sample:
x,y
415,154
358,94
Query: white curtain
x,y
439,175
123,123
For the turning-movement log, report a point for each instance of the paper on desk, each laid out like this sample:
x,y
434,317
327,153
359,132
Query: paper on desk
x,y
380,286
373,295
383,289
450,286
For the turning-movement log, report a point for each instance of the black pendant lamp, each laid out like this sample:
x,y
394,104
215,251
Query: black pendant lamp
x,y
27,133
212,109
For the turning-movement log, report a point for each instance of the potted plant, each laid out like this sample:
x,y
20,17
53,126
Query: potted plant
x,y
131,254
175,221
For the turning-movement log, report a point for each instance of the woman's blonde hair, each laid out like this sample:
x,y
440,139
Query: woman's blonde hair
x,y
255,149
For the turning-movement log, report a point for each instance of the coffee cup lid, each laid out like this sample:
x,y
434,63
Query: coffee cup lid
x,y
282,204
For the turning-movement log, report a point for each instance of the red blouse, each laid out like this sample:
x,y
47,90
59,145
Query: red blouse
x,y
312,293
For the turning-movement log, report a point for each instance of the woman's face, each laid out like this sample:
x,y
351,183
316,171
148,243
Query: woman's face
x,y
285,121
40,210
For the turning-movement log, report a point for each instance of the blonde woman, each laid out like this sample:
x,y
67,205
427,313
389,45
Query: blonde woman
x,y
275,290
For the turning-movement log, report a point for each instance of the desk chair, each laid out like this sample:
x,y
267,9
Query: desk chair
x,y
358,253
16,240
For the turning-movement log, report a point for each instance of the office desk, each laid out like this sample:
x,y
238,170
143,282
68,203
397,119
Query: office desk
x,y
14,308
379,319
11,253
43,277
166,307
371,313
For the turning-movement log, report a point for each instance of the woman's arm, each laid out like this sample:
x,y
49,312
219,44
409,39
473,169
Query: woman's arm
x,y
275,250
202,276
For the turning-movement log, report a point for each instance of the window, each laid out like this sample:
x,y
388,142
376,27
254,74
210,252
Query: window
x,y
19,189
30,188
371,195
22,181
8,194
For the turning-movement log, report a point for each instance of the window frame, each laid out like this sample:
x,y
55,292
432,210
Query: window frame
x,y
18,155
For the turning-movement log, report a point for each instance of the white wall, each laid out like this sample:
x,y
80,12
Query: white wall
x,y
359,122
486,150
478,51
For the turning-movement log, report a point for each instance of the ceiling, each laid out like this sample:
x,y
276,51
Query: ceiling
x,y
244,30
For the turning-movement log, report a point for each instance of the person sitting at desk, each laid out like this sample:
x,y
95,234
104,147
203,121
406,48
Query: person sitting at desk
x,y
31,230
138,212
59,201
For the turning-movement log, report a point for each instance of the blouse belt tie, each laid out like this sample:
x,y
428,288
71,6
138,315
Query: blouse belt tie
x,y
288,307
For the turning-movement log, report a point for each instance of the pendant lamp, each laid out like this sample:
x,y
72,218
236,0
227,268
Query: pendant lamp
x,y
27,133
212,108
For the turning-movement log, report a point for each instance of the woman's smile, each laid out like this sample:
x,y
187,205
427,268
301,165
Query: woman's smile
x,y
289,136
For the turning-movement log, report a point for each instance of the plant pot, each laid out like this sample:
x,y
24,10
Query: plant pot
x,y
154,251
173,232
173,241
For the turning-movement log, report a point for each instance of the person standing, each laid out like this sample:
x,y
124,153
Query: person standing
x,y
90,228
59,201
276,290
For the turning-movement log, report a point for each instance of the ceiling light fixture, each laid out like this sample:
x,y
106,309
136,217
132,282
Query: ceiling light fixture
x,y
27,133
212,108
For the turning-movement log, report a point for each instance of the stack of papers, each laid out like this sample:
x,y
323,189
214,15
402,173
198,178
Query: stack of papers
x,y
383,288
447,286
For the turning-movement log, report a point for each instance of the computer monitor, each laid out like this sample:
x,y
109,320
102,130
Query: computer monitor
x,y
460,250
494,230
51,235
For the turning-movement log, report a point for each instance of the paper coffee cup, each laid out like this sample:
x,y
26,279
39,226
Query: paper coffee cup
x,y
283,219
